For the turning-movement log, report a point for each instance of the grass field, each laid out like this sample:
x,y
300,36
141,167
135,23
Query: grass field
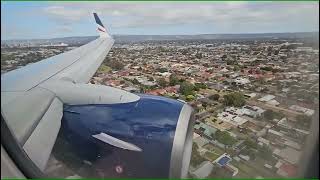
x,y
211,156
244,170
253,169
104,69
213,148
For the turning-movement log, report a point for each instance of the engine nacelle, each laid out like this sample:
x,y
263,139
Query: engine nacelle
x,y
148,137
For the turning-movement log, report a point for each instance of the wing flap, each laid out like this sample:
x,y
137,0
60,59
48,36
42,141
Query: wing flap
x,y
40,143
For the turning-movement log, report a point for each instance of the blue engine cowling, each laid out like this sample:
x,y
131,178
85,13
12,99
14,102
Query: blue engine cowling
x,y
161,127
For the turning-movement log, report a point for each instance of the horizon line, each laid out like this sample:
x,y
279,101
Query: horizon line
x,y
165,35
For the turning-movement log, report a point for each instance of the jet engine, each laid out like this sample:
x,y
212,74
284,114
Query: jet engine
x,y
121,134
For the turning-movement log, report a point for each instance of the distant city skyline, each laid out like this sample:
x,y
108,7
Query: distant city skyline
x,y
40,20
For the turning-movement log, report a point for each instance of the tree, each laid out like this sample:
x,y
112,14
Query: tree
x,y
196,159
224,56
198,86
150,78
270,115
265,152
135,81
199,55
115,64
231,62
142,89
266,68
249,152
173,80
181,80
224,138
261,81
304,121
214,97
251,144
236,68
186,88
190,97
234,99
162,82
162,70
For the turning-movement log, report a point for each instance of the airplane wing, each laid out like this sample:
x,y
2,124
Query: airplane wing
x,y
39,100
32,110
77,65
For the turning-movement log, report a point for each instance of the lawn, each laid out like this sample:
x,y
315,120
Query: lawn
x,y
242,174
245,170
254,169
214,149
211,156
104,69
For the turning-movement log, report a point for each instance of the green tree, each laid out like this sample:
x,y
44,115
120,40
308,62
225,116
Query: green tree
x,y
186,88
249,152
162,70
267,68
236,68
150,78
270,115
196,158
199,86
234,99
224,137
261,81
190,97
214,97
199,55
251,144
142,89
135,81
265,152
173,80
162,82
231,62
115,64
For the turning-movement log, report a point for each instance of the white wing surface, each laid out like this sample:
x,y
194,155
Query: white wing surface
x,y
30,102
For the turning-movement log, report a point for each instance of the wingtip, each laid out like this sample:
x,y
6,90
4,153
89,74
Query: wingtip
x,y
101,28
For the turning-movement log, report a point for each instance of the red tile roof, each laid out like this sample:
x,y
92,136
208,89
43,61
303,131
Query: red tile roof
x,y
289,169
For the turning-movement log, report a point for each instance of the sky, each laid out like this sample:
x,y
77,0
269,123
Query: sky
x,y
36,20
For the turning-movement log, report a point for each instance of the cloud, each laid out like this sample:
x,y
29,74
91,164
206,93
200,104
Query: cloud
x,y
138,14
59,18
64,14
64,28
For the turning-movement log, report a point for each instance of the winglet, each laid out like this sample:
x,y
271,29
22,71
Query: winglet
x,y
101,29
